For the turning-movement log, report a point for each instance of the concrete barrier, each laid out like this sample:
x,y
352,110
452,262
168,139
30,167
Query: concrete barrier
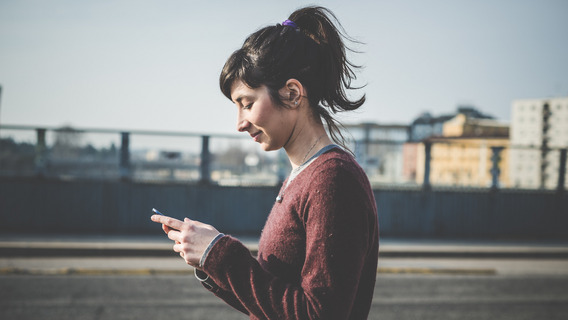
x,y
115,207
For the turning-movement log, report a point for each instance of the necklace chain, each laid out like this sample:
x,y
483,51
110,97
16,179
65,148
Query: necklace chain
x,y
304,159
281,195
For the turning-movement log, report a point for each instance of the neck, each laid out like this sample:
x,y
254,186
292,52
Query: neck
x,y
307,143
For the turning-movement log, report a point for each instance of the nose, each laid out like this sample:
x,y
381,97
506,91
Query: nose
x,y
242,124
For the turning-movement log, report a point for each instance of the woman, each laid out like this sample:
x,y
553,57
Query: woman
x,y
318,251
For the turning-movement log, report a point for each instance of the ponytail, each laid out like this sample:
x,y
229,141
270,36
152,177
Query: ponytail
x,y
307,47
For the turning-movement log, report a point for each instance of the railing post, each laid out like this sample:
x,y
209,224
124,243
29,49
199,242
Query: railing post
x,y
124,164
40,153
495,171
427,158
205,164
562,171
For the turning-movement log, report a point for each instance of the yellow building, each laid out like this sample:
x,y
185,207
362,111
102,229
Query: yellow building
x,y
464,162
463,155
462,126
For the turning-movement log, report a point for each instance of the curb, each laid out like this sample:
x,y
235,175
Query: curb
x,y
503,254
47,251
93,272
190,271
439,271
11,252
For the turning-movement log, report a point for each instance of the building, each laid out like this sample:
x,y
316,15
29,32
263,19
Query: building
x,y
410,162
378,149
427,126
475,129
465,161
462,155
539,129
463,126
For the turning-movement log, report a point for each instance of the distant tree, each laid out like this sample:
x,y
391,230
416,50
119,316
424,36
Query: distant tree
x,y
67,142
109,153
90,151
16,157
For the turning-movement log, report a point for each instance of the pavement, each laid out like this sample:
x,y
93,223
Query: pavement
x,y
150,255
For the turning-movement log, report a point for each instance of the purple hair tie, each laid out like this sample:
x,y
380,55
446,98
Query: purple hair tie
x,y
290,23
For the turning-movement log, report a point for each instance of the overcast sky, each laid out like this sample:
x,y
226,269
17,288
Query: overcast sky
x,y
145,64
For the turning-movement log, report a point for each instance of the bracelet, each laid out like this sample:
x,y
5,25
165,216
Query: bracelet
x,y
204,280
206,252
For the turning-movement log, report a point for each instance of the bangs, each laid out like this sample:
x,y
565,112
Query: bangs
x,y
239,66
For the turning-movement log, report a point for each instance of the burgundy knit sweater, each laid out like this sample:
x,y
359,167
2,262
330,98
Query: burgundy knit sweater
x,y
317,254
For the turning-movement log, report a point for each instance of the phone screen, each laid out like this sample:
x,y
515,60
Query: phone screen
x,y
156,211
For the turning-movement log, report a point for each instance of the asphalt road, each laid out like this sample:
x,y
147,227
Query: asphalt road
x,y
397,296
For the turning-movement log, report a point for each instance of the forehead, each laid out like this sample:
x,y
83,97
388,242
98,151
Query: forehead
x,y
240,90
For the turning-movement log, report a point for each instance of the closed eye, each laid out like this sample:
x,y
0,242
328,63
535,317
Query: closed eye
x,y
248,106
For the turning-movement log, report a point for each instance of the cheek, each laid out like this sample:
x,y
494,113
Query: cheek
x,y
262,117
283,125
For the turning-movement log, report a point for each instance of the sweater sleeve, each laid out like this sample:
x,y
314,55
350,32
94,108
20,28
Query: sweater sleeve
x,y
336,216
225,295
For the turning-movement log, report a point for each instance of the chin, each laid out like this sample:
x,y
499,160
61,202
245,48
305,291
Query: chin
x,y
268,147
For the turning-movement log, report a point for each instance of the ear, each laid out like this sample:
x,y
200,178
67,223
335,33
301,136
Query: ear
x,y
293,92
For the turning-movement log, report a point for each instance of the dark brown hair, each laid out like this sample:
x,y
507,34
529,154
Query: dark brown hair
x,y
313,53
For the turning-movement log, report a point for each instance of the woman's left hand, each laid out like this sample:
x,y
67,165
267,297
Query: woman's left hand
x,y
191,237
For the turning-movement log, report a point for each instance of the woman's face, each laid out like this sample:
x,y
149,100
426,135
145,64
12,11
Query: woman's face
x,y
266,122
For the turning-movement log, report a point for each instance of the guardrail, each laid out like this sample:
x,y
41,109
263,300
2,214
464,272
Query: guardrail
x,y
120,164
380,159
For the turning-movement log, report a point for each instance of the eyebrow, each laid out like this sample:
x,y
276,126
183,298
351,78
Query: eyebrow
x,y
241,97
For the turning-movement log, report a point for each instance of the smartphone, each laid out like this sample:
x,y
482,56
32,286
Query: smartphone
x,y
156,211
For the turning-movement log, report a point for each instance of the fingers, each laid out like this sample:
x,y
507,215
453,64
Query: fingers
x,y
168,221
196,223
178,247
174,235
191,237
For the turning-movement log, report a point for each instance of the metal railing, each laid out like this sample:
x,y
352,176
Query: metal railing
x,y
61,153
188,158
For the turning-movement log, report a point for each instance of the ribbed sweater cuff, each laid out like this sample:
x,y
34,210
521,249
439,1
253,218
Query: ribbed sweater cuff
x,y
206,252
225,257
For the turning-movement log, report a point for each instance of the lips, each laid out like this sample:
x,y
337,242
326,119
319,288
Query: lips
x,y
255,136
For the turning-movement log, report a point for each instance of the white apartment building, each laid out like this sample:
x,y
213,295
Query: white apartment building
x,y
539,129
